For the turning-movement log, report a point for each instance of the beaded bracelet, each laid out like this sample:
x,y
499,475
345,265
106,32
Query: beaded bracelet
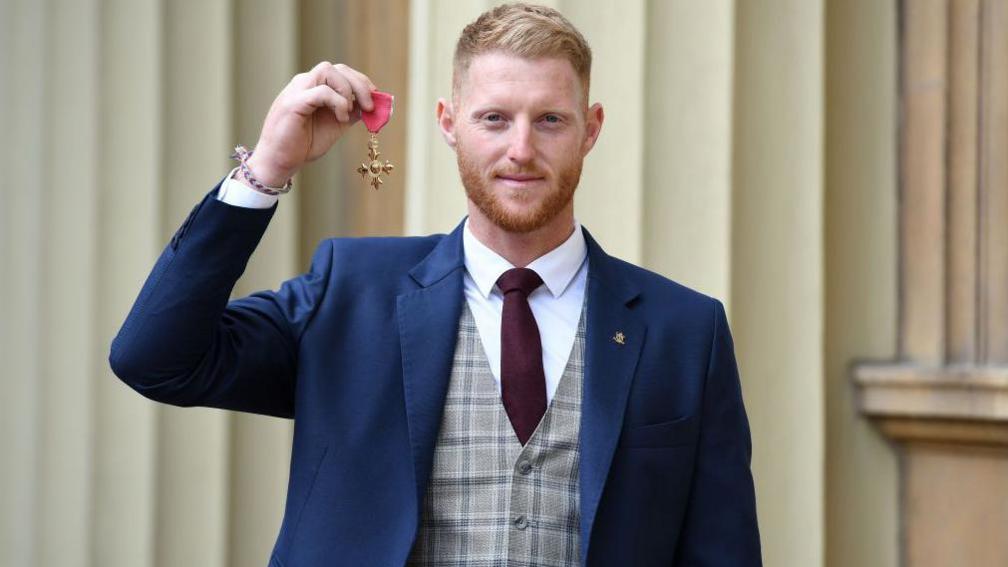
x,y
242,155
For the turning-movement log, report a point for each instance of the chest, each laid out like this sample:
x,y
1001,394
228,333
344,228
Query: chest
x,y
487,492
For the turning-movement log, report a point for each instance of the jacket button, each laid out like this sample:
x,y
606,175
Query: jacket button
x,y
524,467
521,522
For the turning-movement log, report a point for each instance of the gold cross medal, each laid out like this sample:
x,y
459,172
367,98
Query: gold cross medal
x,y
372,170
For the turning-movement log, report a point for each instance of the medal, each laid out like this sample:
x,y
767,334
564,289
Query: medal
x,y
372,170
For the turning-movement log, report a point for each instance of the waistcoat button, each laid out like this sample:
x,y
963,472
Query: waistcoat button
x,y
521,522
524,467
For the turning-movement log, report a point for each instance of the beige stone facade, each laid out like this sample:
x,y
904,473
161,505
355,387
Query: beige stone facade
x,y
943,400
806,161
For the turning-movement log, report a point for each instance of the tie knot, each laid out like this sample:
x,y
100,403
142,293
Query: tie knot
x,y
519,279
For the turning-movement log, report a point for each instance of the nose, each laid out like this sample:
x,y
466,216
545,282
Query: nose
x,y
520,148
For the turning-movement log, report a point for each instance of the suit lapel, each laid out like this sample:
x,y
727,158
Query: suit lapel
x,y
615,334
428,329
428,320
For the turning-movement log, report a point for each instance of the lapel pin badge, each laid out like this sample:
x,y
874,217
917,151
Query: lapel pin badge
x,y
620,338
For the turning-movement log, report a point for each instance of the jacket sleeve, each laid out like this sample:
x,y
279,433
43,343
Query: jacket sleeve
x,y
184,343
720,527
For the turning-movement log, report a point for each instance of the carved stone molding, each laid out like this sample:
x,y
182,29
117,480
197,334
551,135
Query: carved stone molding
x,y
951,404
952,362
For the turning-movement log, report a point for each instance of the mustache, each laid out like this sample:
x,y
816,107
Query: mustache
x,y
517,172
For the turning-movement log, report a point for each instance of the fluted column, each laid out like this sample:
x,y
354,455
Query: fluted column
x,y
861,275
129,238
944,400
777,286
687,201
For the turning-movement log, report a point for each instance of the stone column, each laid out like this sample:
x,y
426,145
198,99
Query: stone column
x,y
777,287
944,401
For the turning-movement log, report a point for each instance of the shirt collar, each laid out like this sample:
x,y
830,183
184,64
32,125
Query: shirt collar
x,y
557,267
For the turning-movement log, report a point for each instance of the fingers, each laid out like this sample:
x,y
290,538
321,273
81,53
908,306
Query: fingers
x,y
359,83
298,127
349,83
324,96
344,89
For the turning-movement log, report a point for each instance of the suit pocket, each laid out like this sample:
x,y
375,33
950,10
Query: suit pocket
x,y
681,431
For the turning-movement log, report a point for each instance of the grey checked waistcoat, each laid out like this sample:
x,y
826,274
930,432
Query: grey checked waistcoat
x,y
491,502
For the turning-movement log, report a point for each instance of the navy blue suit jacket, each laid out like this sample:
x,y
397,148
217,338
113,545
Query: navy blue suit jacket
x,y
359,351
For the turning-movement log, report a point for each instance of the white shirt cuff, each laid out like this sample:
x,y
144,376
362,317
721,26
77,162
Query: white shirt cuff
x,y
236,193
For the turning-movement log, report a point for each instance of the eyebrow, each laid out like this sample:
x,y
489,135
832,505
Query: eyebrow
x,y
479,111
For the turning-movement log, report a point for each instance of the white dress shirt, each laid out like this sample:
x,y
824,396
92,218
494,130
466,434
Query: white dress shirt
x,y
556,305
234,192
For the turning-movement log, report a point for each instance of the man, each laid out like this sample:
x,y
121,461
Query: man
x,y
507,394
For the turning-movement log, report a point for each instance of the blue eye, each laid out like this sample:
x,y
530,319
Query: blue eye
x,y
493,117
552,118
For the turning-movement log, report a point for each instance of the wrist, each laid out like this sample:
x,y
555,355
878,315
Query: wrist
x,y
250,179
266,173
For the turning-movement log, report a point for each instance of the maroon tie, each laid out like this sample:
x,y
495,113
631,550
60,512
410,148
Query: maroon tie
x,y
523,383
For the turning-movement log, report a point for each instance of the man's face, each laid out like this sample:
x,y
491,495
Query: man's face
x,y
521,130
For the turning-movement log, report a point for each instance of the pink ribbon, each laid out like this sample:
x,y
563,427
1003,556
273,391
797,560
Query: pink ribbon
x,y
379,117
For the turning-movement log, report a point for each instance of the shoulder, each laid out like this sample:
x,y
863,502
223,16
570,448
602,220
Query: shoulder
x,y
660,287
667,302
379,251
371,264
660,297
411,245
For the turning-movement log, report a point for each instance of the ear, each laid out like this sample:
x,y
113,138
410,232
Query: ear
x,y
446,121
593,127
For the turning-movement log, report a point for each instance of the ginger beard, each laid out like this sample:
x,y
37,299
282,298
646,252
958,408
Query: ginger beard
x,y
478,187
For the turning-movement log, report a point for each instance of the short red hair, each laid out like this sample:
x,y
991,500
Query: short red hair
x,y
524,30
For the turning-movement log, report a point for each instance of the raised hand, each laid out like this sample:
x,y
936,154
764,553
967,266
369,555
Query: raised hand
x,y
307,118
